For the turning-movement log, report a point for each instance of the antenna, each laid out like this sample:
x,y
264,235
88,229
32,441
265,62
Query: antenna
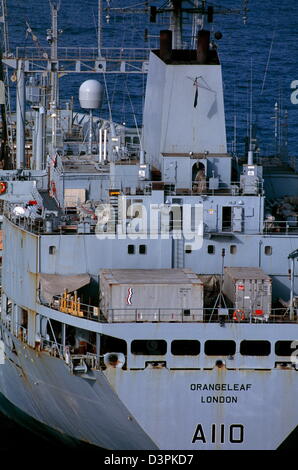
x,y
176,23
279,117
176,12
99,29
268,61
52,38
220,297
7,148
250,148
234,146
276,121
245,11
284,130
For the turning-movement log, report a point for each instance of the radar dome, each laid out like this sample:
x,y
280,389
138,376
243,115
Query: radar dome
x,y
91,94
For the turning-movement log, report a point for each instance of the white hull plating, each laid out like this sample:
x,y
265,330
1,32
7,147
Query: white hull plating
x,y
154,408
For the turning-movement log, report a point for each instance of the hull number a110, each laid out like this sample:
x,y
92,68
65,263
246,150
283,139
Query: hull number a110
x,y
219,434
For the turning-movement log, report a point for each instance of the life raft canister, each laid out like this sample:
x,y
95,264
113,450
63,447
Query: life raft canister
x,y
238,315
3,187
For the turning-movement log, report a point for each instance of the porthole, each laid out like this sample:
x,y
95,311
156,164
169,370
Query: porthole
x,y
255,348
220,348
183,347
149,347
285,348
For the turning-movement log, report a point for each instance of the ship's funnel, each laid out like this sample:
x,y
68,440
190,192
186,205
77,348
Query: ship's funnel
x,y
165,44
203,46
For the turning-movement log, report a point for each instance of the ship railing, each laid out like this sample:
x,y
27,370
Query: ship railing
x,y
196,188
84,53
234,188
81,363
293,163
28,223
281,226
19,330
197,315
55,349
72,305
122,315
22,333
36,224
75,361
7,322
178,315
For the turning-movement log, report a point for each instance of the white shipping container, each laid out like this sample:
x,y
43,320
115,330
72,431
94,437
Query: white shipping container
x,y
248,289
128,295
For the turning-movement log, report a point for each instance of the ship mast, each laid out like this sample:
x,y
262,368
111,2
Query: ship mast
x,y
176,23
52,37
7,132
99,29
203,13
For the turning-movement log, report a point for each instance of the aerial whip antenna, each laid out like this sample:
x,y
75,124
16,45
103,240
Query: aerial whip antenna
x,y
245,11
268,61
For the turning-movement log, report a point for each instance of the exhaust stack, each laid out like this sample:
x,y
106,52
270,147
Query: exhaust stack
x,y
203,46
165,44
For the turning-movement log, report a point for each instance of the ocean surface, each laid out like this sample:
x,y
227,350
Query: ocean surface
x,y
259,58
259,63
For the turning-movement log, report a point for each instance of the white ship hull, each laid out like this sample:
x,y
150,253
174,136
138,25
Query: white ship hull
x,y
154,408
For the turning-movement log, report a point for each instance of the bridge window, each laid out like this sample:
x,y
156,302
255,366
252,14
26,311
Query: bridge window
x,y
149,347
188,249
285,348
255,348
142,249
52,250
182,347
131,249
268,250
211,249
220,348
233,249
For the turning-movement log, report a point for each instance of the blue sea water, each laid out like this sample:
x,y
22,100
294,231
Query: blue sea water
x,y
268,42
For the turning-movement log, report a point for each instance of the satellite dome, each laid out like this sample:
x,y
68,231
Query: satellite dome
x,y
91,94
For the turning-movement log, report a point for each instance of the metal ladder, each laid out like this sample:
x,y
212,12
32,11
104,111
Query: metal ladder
x,y
178,253
114,204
